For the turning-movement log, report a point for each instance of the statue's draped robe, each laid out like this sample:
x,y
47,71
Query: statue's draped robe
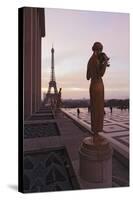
x,y
95,71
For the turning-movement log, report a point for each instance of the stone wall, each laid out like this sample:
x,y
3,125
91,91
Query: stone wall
x,y
33,31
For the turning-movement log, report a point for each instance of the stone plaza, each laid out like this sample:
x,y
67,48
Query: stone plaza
x,y
51,158
116,127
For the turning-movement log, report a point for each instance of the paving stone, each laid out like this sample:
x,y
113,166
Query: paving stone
x,y
40,130
50,170
113,128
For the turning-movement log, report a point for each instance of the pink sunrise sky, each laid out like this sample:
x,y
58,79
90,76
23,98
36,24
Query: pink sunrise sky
x,y
72,33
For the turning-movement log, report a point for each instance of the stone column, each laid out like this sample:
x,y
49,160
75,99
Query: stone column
x,y
33,30
39,71
34,60
95,167
38,66
27,61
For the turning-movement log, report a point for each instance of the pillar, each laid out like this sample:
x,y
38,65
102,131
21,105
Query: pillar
x,y
27,57
95,165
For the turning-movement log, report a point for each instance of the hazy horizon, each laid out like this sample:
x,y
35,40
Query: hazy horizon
x,y
72,33
83,98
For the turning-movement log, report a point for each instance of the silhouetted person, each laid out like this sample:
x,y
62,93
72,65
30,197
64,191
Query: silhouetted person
x,y
95,72
111,109
78,112
121,107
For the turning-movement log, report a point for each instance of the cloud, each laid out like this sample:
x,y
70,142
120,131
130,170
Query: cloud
x,y
73,34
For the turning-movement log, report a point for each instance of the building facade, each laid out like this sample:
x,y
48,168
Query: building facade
x,y
33,31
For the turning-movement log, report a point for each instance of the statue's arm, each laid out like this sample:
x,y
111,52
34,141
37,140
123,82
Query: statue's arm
x,y
102,69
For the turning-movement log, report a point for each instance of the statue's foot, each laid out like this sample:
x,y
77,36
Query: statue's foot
x,y
97,138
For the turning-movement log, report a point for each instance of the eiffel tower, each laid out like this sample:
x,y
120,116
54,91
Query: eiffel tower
x,y
52,97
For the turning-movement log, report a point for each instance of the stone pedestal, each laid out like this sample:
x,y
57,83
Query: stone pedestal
x,y
95,167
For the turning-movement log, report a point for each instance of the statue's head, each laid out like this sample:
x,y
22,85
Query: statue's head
x,y
97,46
